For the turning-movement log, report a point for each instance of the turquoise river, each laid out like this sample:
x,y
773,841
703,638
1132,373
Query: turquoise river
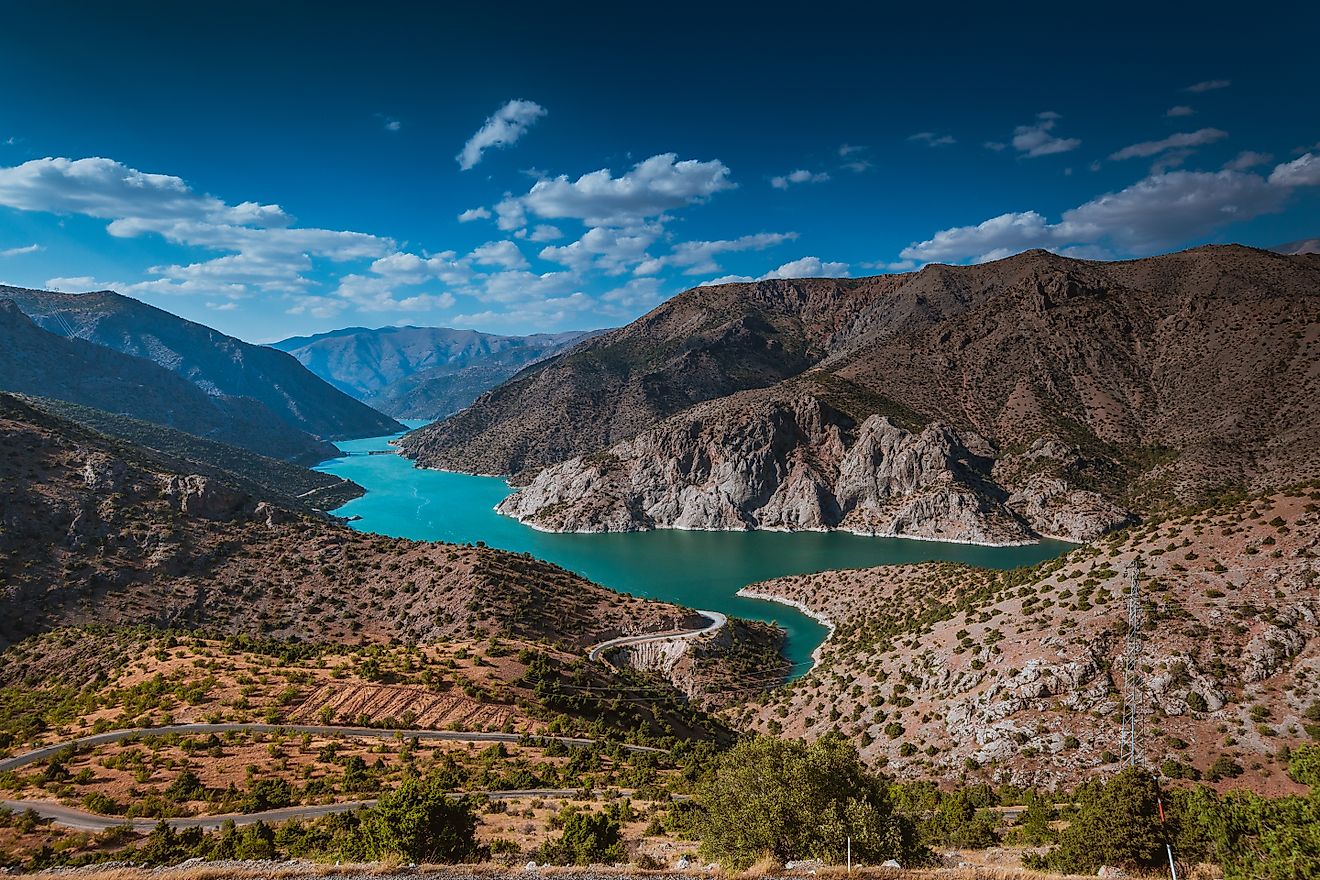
x,y
696,569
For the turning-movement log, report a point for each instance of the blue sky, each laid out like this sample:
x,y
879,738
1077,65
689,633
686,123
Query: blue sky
x,y
275,169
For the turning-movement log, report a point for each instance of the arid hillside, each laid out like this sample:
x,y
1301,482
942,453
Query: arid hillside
x,y
94,530
942,670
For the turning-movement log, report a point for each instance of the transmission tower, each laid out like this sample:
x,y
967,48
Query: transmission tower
x,y
1129,747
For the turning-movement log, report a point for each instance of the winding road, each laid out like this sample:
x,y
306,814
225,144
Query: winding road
x,y
74,817
717,620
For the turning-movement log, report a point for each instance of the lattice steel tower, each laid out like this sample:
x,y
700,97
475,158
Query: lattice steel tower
x,y
1129,746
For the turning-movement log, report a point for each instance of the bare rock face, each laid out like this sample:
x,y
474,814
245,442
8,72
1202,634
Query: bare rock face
x,y
771,463
195,495
1043,497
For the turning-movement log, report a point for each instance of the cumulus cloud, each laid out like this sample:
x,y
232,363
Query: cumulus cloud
x,y
18,251
698,257
1180,110
1184,139
806,267
474,214
260,245
932,139
504,127
652,187
499,253
1036,139
801,175
545,232
1159,211
1208,85
1302,171
848,149
607,249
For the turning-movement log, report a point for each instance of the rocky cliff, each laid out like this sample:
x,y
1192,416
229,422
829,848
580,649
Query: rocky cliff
x,y
759,461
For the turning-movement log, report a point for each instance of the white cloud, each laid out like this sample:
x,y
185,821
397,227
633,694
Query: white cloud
x,y
17,251
474,214
1302,171
997,146
504,127
499,253
698,257
1158,211
808,267
263,248
545,232
1196,138
1180,110
604,248
1208,85
392,124
801,175
857,166
652,187
1036,140
848,149
1247,159
932,139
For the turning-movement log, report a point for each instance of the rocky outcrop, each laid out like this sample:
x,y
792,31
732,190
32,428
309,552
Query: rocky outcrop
x,y
771,463
195,495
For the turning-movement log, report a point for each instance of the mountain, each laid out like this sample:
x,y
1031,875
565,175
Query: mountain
x,y
1037,395
1303,246
1018,676
421,372
289,484
42,364
210,360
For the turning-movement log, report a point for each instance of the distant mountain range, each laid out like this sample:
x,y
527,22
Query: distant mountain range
x,y
1036,395
421,372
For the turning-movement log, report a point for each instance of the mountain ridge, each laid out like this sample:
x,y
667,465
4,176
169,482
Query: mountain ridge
x,y
213,361
1098,390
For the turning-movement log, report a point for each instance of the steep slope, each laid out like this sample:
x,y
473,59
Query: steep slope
x,y
703,344
214,362
421,372
937,670
93,530
35,362
1085,389
284,482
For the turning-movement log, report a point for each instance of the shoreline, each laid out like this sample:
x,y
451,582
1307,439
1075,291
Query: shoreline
x,y
780,530
750,592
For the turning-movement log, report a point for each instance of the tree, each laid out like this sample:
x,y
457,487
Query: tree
x,y
419,821
956,823
793,801
1117,825
588,838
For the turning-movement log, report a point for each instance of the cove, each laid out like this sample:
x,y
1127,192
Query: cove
x,y
696,569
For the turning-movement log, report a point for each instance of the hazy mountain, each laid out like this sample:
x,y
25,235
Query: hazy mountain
x,y
210,360
1302,246
420,372
1033,395
36,362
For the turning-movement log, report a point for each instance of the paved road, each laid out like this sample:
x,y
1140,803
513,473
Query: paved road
x,y
717,620
72,817
316,729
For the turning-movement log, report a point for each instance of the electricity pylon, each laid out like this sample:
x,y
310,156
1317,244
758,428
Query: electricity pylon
x,y
1129,744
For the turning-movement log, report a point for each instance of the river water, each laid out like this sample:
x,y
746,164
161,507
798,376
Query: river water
x,y
696,569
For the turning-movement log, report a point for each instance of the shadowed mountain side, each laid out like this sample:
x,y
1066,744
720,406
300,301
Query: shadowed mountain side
x,y
214,362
